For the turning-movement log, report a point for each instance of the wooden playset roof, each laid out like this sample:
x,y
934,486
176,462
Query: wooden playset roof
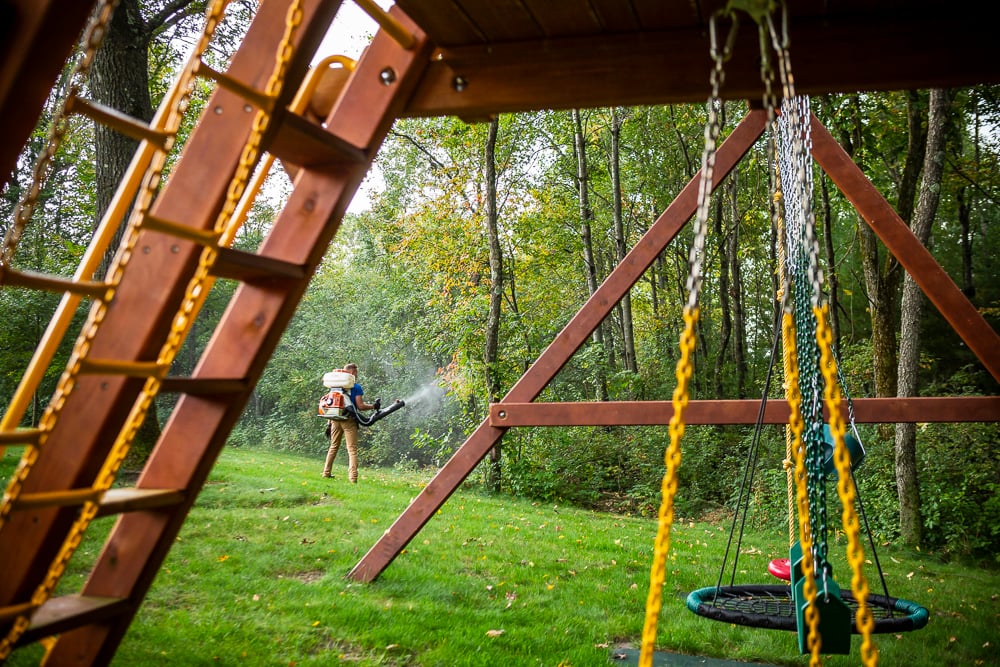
x,y
511,55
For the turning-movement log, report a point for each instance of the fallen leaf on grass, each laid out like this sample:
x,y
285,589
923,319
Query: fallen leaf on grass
x,y
494,633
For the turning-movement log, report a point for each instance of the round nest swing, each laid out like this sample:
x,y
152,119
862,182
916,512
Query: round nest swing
x,y
771,606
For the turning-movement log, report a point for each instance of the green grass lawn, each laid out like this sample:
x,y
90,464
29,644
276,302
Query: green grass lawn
x,y
257,577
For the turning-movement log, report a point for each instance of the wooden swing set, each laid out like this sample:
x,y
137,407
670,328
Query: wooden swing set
x,y
470,58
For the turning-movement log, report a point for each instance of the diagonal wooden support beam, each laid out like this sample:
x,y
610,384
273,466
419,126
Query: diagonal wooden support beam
x,y
555,356
907,248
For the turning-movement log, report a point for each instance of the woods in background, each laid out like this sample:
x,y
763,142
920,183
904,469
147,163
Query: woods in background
x,y
483,240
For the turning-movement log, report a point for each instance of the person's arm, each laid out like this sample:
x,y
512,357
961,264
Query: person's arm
x,y
359,402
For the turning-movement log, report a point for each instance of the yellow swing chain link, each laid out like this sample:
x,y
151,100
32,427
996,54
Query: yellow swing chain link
x,y
796,425
688,344
832,396
94,36
845,488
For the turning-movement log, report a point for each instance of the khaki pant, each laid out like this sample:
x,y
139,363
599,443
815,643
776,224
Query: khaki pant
x,y
347,431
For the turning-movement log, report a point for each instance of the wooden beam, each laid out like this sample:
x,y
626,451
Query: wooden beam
x,y
36,37
673,66
555,356
654,413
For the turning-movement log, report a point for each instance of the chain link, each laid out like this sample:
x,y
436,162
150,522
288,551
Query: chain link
x,y
688,343
845,488
820,354
796,425
93,38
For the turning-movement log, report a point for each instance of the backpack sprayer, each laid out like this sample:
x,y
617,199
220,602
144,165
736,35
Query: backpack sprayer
x,y
337,404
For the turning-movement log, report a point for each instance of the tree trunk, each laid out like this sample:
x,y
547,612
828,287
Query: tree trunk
x,y
736,299
726,323
120,79
883,282
965,222
621,248
907,485
831,263
496,295
586,217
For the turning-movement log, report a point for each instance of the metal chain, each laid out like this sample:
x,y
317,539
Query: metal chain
x,y
795,452
96,30
82,347
828,365
688,344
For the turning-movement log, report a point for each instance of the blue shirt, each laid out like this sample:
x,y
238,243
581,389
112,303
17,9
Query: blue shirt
x,y
356,391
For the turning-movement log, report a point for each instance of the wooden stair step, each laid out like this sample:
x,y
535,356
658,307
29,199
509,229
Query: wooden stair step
x,y
248,267
203,386
58,284
9,613
118,121
64,613
21,436
140,369
61,498
258,98
203,236
130,499
299,141
112,501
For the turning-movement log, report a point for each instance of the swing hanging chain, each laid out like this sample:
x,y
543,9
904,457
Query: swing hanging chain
x,y
688,344
712,131
823,340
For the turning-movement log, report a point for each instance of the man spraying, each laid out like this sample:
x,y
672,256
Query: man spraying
x,y
343,406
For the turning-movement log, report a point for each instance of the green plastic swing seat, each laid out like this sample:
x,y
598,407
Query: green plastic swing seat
x,y
771,606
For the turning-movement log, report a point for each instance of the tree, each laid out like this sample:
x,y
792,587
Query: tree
x,y
120,79
491,353
907,485
586,232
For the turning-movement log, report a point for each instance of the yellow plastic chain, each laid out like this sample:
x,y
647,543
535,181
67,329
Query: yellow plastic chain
x,y
787,348
796,425
672,461
845,487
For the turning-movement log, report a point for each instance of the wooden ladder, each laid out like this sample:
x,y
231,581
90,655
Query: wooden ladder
x,y
118,364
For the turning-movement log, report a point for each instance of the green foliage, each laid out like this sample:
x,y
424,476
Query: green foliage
x,y
960,487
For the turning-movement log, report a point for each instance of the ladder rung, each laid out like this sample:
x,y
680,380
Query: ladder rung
x,y
41,281
248,267
259,99
302,142
13,611
139,369
202,386
119,501
66,498
119,121
22,436
203,236
61,614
